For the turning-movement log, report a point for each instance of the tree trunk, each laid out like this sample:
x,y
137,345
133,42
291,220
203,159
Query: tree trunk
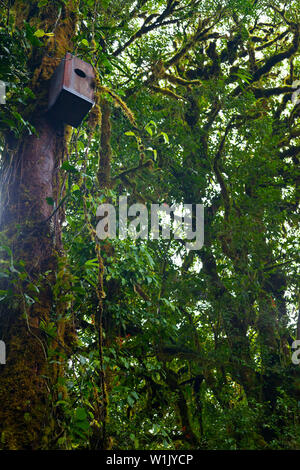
x,y
32,237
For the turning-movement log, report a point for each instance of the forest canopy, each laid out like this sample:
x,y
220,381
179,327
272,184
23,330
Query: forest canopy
x,y
121,343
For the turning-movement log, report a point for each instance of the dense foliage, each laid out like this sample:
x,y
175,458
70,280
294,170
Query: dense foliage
x,y
174,348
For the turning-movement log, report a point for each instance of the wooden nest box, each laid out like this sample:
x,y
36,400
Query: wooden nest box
x,y
71,93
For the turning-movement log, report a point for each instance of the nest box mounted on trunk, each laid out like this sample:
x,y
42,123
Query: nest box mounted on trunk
x,y
71,93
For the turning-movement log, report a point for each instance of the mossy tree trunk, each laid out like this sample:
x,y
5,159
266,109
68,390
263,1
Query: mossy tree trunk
x,y
33,238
